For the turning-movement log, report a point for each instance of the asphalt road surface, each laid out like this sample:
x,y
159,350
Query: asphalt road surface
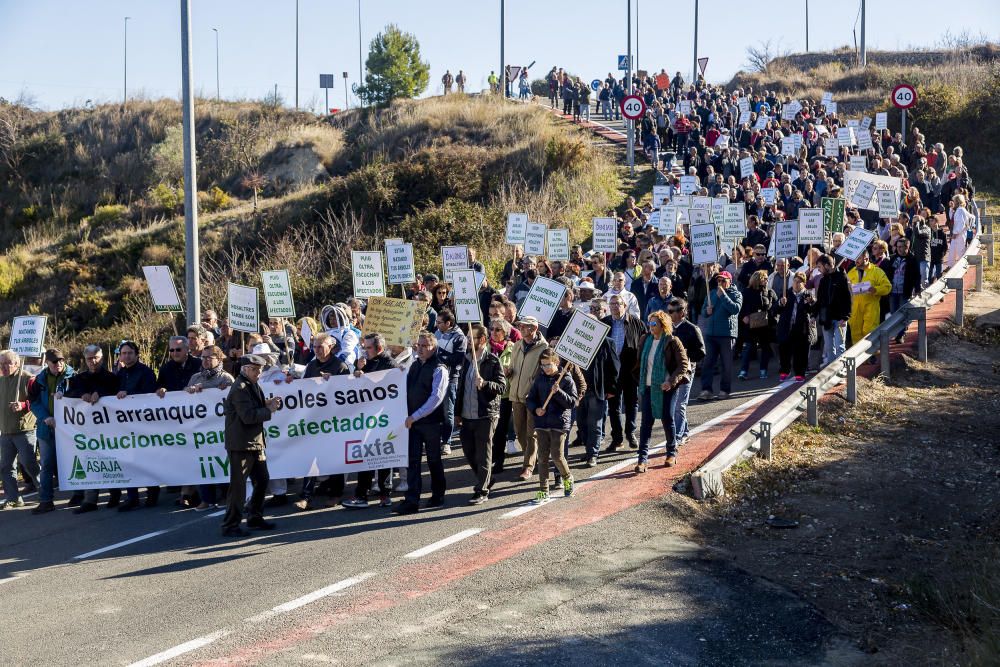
x,y
592,577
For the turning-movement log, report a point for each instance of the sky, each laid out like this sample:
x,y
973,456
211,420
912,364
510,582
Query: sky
x,y
65,52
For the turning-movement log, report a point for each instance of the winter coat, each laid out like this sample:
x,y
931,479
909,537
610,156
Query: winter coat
x,y
524,367
558,413
725,310
38,392
494,385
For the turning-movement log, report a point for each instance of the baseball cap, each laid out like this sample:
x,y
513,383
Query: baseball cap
x,y
725,274
54,354
254,359
529,320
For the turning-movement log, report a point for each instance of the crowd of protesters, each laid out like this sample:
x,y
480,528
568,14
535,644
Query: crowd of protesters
x,y
497,387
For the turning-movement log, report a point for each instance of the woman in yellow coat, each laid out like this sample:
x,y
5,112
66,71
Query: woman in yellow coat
x,y
868,285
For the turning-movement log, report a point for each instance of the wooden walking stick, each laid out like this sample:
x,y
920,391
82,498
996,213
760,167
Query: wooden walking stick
x,y
555,386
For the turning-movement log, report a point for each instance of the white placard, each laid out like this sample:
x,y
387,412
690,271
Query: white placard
x,y
734,223
701,203
534,238
762,121
242,308
456,258
581,339
278,293
605,237
746,167
689,184
516,226
788,146
831,146
789,110
163,289
826,99
466,296
859,163
684,107
853,178
399,264
786,238
770,195
719,210
810,225
865,140
888,205
881,120
866,122
558,242
744,117
389,242
683,215
704,245
831,108
661,194
653,219
698,216
856,243
543,300
27,335
863,193
845,136
681,201
854,122
668,220
369,276
743,104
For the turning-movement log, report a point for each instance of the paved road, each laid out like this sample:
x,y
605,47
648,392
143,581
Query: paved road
x,y
504,567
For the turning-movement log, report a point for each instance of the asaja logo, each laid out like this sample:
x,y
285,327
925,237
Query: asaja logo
x,y
356,451
78,472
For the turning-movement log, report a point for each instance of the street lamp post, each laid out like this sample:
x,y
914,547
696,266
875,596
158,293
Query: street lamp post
x,y
361,69
218,88
192,277
502,70
296,54
125,67
807,26
628,83
694,67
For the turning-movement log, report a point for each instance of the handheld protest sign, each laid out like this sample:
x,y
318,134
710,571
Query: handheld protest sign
x,y
558,242
369,277
453,258
517,224
543,300
865,140
534,239
162,289
788,146
770,195
858,163
661,195
831,147
853,180
704,245
701,203
399,263
466,296
855,244
398,320
278,293
605,235
762,120
581,339
681,201
810,226
746,167
389,242
27,335
845,136
719,210
888,205
654,219
786,238
699,216
689,184
863,193
668,220
881,120
833,214
734,225
242,308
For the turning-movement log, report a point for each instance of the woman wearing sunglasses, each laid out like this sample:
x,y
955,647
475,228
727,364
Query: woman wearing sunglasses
x,y
662,368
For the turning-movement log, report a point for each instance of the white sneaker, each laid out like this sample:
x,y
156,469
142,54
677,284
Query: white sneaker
x,y
402,486
512,448
376,488
446,450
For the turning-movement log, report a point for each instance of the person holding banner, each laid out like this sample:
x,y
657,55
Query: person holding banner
x,y
426,386
176,372
246,410
211,376
52,380
17,429
481,383
663,365
135,377
551,400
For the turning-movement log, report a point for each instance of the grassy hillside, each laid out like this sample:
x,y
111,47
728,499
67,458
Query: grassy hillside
x,y
958,92
88,196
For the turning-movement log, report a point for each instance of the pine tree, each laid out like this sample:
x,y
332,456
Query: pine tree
x,y
394,67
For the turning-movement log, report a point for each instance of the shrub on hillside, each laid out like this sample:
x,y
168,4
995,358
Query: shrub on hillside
x,y
164,199
168,156
565,153
86,306
110,215
214,200
11,275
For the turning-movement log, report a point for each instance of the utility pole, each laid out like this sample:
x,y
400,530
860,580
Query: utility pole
x,y
694,67
503,69
192,278
630,124
218,88
637,24
361,69
864,52
297,54
125,82
807,26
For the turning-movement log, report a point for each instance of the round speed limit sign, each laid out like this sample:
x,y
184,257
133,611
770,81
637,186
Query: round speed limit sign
x,y
904,96
633,107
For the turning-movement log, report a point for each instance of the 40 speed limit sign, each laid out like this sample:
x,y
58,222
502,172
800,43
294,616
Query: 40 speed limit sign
x,y
904,96
633,107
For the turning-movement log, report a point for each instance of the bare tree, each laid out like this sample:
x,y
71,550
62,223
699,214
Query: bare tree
x,y
760,57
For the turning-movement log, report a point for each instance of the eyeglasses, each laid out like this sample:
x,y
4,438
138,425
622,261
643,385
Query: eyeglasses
x,y
675,310
177,349
208,358
652,323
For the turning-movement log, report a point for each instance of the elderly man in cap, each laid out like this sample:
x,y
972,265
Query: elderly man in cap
x,y
521,374
246,410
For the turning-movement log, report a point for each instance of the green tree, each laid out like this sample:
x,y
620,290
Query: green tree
x,y
394,67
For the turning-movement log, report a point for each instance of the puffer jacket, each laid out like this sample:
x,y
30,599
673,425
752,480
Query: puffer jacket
x,y
336,321
558,413
524,368
725,312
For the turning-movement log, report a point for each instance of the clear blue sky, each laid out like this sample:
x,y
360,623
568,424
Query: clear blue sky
x,y
64,52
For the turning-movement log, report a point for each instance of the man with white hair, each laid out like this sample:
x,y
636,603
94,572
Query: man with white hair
x,y
17,428
618,288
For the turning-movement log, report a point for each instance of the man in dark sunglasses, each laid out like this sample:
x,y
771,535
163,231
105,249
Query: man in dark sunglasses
x,y
179,367
758,262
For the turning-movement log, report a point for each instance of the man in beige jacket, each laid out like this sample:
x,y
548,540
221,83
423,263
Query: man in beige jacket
x,y
521,374
17,428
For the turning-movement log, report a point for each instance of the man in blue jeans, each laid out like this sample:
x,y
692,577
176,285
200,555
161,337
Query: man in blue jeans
x,y
17,429
694,344
53,379
602,381
719,314
451,347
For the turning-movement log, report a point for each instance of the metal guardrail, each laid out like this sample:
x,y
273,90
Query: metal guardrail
x,y
706,481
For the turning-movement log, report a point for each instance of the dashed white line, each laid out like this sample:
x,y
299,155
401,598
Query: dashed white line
x,y
180,649
441,544
112,547
321,593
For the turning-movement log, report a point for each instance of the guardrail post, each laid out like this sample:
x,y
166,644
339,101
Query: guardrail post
x,y
812,411
919,313
883,341
977,261
958,284
987,240
851,366
765,441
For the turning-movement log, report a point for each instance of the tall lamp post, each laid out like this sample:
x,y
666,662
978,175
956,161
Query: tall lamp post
x,y
125,67
218,88
361,69
296,54
192,274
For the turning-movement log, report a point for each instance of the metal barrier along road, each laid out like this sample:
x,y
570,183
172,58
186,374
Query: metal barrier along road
x,y
706,481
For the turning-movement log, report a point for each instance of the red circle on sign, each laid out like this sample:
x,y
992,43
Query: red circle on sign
x,y
904,96
633,107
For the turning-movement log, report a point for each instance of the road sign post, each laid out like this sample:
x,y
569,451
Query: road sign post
x,y
326,83
633,107
904,96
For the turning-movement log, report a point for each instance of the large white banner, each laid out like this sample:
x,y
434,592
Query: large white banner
x,y
853,178
344,424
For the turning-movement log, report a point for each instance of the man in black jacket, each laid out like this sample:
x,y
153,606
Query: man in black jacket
x,y
377,358
481,382
694,344
178,369
905,278
135,377
246,410
602,386
626,336
833,303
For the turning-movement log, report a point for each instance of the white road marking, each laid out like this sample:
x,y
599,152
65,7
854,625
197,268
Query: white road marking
x,y
10,579
111,547
321,593
219,513
519,511
441,544
181,649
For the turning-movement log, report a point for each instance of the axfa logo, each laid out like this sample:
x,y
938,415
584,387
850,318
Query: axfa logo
x,y
356,451
80,470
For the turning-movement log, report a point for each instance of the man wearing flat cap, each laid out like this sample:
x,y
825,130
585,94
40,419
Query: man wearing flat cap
x,y
246,411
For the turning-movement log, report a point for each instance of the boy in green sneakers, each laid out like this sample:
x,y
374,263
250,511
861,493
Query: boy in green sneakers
x,y
551,398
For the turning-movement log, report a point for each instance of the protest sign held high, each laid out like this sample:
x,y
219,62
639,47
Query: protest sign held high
x,y
243,305
543,300
369,278
278,293
398,320
582,338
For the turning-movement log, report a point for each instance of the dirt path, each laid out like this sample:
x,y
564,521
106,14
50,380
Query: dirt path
x,y
896,503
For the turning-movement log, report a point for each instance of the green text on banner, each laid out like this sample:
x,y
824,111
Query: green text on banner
x,y
278,293
162,289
